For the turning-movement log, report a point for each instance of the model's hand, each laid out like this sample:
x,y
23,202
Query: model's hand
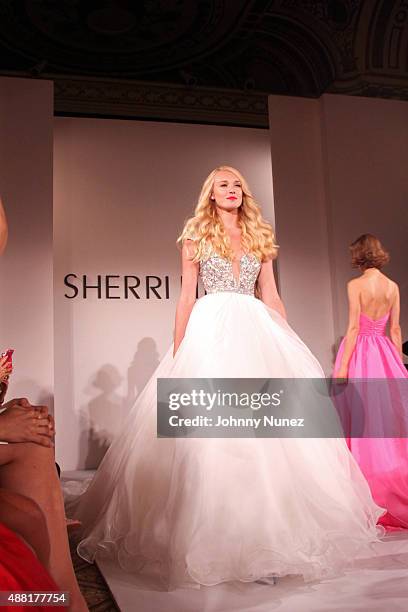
x,y
342,373
5,368
22,422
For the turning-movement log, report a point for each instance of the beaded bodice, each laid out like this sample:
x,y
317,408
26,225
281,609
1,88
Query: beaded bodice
x,y
217,274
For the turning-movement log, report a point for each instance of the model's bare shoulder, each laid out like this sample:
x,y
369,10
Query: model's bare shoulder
x,y
354,284
394,288
189,248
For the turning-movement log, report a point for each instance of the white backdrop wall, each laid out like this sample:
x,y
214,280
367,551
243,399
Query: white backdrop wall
x,y
301,220
122,191
367,159
339,170
26,300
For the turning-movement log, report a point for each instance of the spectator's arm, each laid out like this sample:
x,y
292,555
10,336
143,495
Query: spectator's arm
x,y
3,228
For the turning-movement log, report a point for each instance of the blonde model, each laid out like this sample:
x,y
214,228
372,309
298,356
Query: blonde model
x,y
190,512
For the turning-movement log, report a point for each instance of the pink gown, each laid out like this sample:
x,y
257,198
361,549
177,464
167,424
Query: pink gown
x,y
383,461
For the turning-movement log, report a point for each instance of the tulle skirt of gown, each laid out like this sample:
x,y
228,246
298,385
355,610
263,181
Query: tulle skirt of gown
x,y
384,461
190,512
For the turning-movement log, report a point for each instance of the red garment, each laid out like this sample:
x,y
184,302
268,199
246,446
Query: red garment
x,y
20,570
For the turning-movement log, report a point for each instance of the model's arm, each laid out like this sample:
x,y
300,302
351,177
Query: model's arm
x,y
267,286
188,293
353,293
395,328
3,229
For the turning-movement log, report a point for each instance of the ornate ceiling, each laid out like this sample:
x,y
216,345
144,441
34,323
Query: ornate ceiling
x,y
204,60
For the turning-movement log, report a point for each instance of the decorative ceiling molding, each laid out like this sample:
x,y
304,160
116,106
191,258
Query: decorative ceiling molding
x,y
372,86
141,100
380,46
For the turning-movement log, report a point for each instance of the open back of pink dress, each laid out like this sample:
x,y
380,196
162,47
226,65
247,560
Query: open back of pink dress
x,y
383,461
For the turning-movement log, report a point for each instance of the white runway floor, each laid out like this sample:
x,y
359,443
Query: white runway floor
x,y
375,585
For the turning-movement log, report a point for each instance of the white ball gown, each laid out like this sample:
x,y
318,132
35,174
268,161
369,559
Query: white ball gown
x,y
190,512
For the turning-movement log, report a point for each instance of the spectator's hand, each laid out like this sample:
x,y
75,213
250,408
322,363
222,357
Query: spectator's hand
x,y
3,228
3,390
23,401
22,422
5,369
51,423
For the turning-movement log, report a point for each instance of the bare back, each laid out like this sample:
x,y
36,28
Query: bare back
x,y
377,294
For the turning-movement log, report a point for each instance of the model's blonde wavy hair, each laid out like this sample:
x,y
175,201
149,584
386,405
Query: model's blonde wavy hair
x,y
207,230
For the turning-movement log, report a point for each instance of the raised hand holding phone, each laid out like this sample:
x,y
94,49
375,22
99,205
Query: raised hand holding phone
x,y
6,365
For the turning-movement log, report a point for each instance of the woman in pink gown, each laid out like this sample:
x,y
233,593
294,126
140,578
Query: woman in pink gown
x,y
367,353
